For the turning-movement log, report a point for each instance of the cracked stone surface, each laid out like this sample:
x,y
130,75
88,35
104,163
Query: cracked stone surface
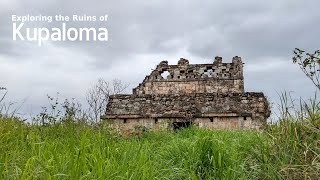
x,y
205,95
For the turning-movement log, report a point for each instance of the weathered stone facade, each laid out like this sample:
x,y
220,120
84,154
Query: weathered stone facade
x,y
206,95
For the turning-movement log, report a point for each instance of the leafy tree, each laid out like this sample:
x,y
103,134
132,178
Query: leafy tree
x,y
309,63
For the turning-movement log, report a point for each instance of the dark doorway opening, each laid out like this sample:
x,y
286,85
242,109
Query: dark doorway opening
x,y
180,125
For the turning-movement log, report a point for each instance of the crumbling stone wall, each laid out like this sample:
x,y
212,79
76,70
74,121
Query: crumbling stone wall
x,y
206,95
183,78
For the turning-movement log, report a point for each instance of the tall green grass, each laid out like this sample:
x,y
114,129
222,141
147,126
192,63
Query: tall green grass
x,y
70,150
288,149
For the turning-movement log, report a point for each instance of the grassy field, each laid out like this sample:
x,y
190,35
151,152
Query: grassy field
x,y
289,149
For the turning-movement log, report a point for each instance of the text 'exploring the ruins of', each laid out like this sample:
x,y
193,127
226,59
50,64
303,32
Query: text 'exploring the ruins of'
x,y
205,95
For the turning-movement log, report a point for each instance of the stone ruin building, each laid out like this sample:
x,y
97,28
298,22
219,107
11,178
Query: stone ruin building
x,y
205,95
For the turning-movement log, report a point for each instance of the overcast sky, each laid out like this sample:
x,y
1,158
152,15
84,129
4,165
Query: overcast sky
x,y
142,33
